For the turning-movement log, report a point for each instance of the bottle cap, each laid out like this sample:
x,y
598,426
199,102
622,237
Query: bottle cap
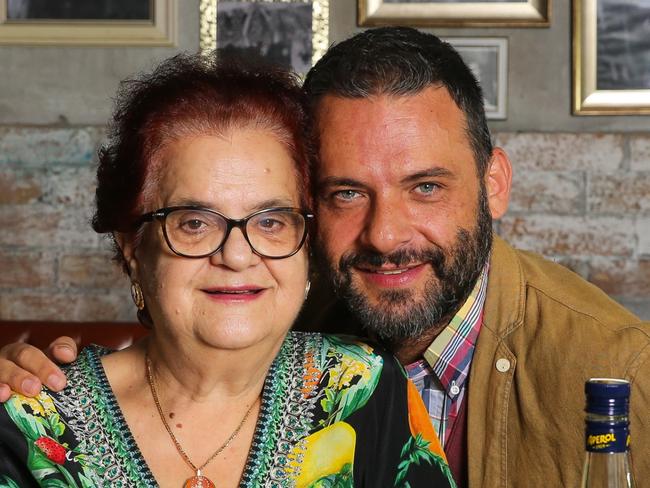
x,y
607,396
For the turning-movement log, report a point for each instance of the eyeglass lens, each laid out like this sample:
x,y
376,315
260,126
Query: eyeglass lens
x,y
274,233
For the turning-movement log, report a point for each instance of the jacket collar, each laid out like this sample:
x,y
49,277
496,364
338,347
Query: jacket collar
x,y
504,304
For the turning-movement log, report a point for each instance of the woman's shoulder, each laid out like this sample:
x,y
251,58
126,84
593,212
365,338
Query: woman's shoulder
x,y
349,356
58,404
43,430
342,344
63,435
348,345
87,365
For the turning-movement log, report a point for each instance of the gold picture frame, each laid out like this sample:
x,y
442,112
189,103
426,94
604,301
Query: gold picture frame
x,y
589,96
160,31
525,13
319,25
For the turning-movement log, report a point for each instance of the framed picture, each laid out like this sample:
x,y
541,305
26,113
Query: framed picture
x,y
611,57
455,13
290,33
487,57
88,23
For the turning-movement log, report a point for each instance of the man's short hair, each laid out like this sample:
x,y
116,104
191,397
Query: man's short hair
x,y
402,61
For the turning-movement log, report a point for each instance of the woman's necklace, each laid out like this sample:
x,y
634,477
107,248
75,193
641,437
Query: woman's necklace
x,y
197,481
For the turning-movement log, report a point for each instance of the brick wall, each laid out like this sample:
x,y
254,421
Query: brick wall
x,y
580,199
52,265
584,200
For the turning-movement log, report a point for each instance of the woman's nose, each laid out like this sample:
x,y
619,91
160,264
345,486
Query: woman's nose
x,y
236,253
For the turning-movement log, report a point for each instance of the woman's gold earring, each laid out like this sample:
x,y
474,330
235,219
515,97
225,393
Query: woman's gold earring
x,y
307,288
136,294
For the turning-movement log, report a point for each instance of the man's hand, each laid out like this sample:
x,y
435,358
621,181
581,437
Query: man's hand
x,y
24,368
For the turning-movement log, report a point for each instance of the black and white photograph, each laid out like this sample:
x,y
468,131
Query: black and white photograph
x,y
88,22
79,10
611,57
276,33
623,51
487,57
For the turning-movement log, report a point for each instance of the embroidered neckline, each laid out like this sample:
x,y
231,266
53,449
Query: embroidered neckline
x,y
284,415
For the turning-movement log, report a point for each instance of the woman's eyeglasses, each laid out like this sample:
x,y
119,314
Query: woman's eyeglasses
x,y
197,232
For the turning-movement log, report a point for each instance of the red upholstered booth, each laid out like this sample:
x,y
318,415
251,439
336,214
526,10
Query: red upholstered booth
x,y
115,335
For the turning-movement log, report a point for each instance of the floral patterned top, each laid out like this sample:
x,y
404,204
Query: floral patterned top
x,y
335,413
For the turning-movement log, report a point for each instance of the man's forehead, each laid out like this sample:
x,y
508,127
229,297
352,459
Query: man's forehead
x,y
432,107
387,132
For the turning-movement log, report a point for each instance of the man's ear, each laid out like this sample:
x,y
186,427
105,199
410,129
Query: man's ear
x,y
125,243
498,180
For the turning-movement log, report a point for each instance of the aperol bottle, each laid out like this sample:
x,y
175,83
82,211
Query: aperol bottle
x,y
607,435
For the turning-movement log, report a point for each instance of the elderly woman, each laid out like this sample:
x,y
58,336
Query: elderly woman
x,y
204,187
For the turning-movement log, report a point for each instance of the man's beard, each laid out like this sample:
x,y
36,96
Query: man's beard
x,y
400,315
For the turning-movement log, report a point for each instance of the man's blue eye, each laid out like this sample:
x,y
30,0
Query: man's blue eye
x,y
427,187
346,194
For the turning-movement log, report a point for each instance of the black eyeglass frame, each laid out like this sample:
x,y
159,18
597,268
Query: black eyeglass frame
x,y
162,213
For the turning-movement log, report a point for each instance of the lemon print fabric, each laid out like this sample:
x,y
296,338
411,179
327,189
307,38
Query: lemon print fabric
x,y
335,413
325,457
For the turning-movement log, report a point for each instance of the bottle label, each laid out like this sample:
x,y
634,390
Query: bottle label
x,y
607,438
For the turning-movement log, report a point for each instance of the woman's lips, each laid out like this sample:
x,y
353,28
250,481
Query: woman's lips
x,y
391,277
234,294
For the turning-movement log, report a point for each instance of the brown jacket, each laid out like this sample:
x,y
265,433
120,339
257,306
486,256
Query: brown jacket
x,y
545,332
526,422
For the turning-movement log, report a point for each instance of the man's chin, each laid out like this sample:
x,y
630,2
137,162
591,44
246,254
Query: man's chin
x,y
392,316
393,326
399,312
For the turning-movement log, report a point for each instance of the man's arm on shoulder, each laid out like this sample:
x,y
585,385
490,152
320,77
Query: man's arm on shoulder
x,y
25,369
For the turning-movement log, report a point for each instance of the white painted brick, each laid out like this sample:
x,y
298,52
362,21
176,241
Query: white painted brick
x,y
19,269
91,270
76,307
640,152
42,227
554,235
20,185
643,236
44,146
61,186
548,192
622,277
563,152
70,186
619,193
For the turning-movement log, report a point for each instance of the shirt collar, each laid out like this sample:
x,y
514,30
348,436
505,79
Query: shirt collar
x,y
450,354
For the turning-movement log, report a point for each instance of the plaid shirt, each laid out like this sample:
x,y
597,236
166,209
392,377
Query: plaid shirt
x,y
441,376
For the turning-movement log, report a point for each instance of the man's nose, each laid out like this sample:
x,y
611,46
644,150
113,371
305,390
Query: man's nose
x,y
387,227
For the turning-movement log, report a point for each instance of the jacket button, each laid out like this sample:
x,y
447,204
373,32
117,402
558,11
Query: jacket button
x,y
502,365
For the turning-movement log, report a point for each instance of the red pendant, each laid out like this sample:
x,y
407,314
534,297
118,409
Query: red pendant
x,y
199,481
